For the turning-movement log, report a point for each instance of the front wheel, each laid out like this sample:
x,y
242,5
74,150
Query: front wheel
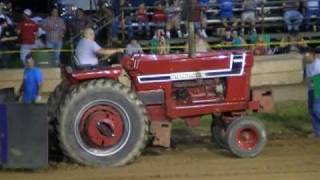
x,y
102,122
218,132
246,137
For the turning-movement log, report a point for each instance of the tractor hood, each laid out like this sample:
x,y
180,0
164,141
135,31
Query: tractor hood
x,y
160,68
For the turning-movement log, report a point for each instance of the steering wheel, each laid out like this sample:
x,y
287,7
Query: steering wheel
x,y
112,59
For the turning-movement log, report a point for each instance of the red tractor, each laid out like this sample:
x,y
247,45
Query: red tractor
x,y
101,121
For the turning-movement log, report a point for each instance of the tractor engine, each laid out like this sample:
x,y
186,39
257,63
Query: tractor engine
x,y
199,91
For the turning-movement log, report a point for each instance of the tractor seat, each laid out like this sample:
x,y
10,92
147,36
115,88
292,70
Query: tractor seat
x,y
80,67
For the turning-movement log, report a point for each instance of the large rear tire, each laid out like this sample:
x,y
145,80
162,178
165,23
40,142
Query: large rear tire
x,y
55,98
102,122
246,137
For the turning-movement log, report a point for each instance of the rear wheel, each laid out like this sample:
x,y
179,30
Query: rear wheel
x,y
246,137
102,122
54,101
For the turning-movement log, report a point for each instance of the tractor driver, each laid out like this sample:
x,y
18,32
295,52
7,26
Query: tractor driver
x,y
88,50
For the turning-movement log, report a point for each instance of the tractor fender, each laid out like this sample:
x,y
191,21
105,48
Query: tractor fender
x,y
98,73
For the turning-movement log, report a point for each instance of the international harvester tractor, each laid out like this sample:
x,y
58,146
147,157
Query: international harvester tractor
x,y
101,121
106,115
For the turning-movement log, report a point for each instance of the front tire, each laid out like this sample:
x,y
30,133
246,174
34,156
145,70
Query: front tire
x,y
246,137
102,122
218,132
